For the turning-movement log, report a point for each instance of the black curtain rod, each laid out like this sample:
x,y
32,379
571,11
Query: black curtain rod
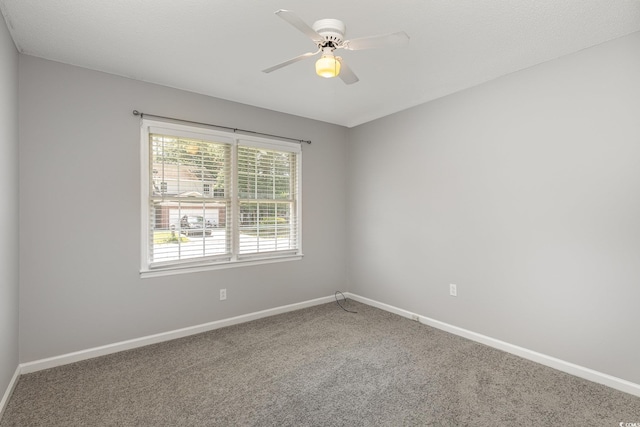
x,y
141,114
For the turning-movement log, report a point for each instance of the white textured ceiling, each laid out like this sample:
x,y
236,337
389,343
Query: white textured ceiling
x,y
219,47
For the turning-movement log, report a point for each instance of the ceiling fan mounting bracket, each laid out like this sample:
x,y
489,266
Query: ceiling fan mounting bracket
x,y
332,30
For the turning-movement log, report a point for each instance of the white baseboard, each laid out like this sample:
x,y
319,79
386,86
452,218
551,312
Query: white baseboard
x,y
7,393
543,359
552,362
52,362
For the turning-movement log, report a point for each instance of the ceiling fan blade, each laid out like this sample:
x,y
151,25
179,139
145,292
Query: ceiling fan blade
x,y
386,40
295,20
346,74
290,61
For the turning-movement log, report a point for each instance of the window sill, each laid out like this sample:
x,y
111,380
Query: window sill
x,y
183,269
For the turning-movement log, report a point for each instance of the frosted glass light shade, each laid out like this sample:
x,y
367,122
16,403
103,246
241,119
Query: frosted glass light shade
x,y
327,66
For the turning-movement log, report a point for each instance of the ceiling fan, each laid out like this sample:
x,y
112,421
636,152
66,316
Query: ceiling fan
x,y
328,35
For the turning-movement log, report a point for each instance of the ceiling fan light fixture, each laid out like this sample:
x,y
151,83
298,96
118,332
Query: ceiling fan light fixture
x,y
328,66
329,35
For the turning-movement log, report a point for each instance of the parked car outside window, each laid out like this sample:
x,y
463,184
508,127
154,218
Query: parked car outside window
x,y
195,226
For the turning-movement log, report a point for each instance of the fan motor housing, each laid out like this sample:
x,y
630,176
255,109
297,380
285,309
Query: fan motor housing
x,y
331,29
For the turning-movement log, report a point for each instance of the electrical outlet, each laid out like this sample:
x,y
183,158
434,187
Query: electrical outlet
x,y
453,290
223,294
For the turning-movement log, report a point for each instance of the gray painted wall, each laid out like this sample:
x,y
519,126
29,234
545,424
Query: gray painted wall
x,y
9,212
80,214
524,192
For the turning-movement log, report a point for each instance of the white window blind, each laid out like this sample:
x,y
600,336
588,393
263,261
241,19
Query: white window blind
x,y
189,198
211,199
267,189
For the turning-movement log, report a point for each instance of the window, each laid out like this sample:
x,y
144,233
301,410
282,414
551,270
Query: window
x,y
214,199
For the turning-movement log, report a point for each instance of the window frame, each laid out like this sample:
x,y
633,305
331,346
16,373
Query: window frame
x,y
235,259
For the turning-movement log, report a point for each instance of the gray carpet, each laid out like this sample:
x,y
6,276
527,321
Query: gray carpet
x,y
319,366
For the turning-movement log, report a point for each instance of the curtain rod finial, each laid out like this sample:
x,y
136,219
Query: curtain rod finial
x,y
136,113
